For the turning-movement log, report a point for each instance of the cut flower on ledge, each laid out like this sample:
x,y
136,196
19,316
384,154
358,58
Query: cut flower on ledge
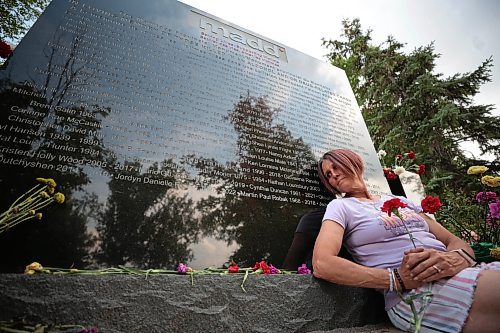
x,y
27,205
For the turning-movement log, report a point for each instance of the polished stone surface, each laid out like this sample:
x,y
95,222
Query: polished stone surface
x,y
176,137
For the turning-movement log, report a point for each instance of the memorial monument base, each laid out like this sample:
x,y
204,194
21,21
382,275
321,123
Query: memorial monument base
x,y
292,303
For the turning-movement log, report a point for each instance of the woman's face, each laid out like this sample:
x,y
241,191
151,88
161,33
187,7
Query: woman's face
x,y
341,181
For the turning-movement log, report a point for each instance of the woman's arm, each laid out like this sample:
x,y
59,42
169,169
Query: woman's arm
x,y
328,266
428,265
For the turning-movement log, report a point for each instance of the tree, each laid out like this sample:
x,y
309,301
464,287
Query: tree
x,y
407,106
15,16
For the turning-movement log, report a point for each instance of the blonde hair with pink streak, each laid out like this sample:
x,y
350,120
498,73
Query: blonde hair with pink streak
x,y
346,161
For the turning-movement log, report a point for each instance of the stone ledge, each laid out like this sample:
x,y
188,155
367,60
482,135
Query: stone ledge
x,y
169,303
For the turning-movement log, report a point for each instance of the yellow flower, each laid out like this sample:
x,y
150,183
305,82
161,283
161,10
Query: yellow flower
x,y
59,197
477,169
51,182
33,267
32,212
44,195
491,181
41,180
38,216
495,253
50,190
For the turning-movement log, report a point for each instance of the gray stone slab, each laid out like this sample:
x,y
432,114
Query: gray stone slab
x,y
169,303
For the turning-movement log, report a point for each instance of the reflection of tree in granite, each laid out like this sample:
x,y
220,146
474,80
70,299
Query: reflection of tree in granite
x,y
146,225
261,225
42,130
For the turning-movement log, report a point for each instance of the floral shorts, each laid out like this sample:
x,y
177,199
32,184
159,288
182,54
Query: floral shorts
x,y
450,304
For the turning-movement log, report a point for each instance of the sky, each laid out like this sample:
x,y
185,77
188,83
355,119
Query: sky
x,y
463,31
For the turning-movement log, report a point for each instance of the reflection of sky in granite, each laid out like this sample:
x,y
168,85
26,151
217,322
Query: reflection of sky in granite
x,y
189,97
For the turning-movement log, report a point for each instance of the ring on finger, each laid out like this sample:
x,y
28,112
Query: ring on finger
x,y
438,270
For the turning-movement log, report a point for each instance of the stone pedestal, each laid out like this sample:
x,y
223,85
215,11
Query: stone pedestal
x,y
169,303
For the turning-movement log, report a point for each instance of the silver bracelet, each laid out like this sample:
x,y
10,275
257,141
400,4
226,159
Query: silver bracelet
x,y
391,278
464,254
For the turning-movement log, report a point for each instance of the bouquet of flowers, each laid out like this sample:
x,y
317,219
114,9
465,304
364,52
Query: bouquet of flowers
x,y
400,164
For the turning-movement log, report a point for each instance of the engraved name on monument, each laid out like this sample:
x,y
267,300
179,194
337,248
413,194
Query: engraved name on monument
x,y
176,136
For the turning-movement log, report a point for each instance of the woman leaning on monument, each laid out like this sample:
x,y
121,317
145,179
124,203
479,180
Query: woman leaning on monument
x,y
466,296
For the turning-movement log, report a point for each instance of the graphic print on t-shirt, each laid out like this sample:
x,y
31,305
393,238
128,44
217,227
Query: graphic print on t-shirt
x,y
397,227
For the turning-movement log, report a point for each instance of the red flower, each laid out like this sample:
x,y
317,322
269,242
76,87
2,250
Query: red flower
x,y
421,169
411,155
262,266
5,49
386,171
233,269
431,204
399,157
391,205
391,176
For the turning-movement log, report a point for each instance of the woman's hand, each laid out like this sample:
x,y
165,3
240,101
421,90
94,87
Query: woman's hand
x,y
428,265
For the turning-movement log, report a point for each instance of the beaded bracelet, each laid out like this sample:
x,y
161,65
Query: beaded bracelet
x,y
400,280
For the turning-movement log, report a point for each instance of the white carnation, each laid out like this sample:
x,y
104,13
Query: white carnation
x,y
381,153
399,170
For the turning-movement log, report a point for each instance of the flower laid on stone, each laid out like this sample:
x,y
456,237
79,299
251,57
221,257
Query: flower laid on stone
x,y
303,269
27,206
233,268
182,269
401,164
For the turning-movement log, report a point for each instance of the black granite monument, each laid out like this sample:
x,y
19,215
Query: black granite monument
x,y
175,136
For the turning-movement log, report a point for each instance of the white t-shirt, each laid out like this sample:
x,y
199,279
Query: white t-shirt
x,y
373,238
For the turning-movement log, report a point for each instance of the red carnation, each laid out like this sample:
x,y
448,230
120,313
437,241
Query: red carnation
x,y
391,206
391,176
387,170
234,269
262,266
431,204
421,169
411,155
399,157
5,49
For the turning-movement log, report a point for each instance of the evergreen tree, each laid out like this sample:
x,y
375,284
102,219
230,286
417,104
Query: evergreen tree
x,y
408,106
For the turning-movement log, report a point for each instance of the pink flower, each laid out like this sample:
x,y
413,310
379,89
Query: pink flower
x,y
494,209
486,196
303,270
273,270
182,268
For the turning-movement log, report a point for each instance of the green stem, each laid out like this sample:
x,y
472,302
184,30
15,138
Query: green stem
x,y
406,228
244,280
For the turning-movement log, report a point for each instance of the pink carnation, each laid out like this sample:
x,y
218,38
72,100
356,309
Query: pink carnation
x,y
182,268
486,196
495,209
303,270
